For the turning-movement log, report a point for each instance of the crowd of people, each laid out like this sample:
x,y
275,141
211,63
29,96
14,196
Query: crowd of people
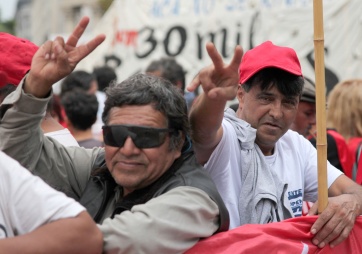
x,y
157,165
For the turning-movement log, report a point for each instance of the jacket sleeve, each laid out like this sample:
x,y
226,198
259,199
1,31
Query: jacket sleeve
x,y
22,138
171,223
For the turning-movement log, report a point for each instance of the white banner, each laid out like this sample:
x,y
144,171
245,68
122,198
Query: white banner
x,y
139,31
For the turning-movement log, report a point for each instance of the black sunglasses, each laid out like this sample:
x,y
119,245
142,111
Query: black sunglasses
x,y
142,137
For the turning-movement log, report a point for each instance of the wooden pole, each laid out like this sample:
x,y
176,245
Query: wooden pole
x,y
320,105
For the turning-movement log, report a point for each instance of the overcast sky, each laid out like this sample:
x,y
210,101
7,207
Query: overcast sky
x,y
7,8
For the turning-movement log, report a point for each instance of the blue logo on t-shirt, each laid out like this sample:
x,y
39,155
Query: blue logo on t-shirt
x,y
295,198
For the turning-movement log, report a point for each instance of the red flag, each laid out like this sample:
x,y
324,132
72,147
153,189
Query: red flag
x,y
289,236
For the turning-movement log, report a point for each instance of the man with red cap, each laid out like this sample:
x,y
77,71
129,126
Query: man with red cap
x,y
263,170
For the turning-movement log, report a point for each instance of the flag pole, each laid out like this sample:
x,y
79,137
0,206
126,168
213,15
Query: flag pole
x,y
320,105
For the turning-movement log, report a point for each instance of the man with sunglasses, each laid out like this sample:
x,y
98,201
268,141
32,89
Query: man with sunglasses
x,y
145,188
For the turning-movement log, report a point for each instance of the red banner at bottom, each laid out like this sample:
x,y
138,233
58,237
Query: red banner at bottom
x,y
289,236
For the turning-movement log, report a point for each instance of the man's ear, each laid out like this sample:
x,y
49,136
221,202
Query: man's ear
x,y
182,140
240,95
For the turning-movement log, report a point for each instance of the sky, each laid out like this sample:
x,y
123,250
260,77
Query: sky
x,y
7,8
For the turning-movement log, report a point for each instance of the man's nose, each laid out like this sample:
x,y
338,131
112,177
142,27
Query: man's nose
x,y
312,119
276,109
129,148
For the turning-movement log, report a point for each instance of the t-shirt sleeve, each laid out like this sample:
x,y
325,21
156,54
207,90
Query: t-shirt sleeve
x,y
311,171
31,201
221,155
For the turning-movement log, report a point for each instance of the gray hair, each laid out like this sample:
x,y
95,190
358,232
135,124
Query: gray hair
x,y
145,89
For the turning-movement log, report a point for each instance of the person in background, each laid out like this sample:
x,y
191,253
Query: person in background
x,y
79,80
80,114
344,114
262,169
51,124
337,151
144,188
34,218
105,76
170,69
16,55
306,114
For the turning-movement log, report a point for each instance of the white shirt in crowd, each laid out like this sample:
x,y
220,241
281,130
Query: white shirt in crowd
x,y
26,202
294,161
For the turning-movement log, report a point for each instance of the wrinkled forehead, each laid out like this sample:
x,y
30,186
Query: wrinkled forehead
x,y
283,88
141,115
272,90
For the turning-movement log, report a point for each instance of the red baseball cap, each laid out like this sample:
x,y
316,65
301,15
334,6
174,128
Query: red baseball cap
x,y
268,55
3,78
16,55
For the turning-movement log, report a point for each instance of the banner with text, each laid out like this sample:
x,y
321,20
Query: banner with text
x,y
144,30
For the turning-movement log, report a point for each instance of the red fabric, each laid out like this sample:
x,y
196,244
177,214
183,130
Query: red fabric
x,y
268,55
16,55
359,172
353,144
3,78
289,236
343,152
306,207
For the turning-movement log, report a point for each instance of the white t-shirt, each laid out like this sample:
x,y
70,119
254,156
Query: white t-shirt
x,y
294,160
97,126
26,202
63,136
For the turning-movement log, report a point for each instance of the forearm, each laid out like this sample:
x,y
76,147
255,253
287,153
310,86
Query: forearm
x,y
356,190
344,185
205,117
74,235
36,85
23,139
20,126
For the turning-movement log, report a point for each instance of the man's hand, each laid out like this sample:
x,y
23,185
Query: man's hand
x,y
336,222
56,59
218,79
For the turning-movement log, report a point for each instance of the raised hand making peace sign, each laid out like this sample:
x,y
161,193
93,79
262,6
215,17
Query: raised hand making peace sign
x,y
56,59
219,79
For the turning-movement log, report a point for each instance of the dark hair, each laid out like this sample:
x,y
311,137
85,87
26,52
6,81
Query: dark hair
x,y
104,75
77,79
288,84
81,108
145,89
169,69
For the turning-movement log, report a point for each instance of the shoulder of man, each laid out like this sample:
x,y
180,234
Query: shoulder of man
x,y
193,174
